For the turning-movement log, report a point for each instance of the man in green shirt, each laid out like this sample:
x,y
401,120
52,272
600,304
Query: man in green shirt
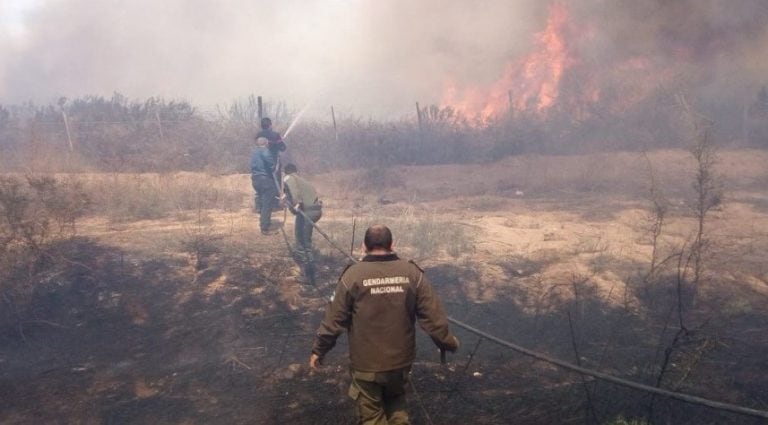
x,y
302,200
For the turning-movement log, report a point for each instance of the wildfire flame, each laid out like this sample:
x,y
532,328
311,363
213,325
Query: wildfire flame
x,y
532,83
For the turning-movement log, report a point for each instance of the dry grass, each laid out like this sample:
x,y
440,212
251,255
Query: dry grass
x,y
128,197
451,213
417,233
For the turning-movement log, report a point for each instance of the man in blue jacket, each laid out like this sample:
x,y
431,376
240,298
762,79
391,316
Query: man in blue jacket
x,y
264,171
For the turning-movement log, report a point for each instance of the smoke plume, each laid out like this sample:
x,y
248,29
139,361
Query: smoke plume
x,y
373,57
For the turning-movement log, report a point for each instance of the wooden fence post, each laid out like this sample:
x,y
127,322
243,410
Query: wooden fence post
x,y
335,130
421,127
69,134
160,126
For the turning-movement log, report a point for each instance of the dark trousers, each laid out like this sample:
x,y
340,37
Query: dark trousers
x,y
266,194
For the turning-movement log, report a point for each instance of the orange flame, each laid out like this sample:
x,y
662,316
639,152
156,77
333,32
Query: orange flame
x,y
529,84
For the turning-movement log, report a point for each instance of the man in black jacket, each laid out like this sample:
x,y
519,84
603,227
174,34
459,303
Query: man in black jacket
x,y
377,301
275,141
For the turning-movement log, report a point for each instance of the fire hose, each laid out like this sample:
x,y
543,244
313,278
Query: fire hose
x,y
575,368
543,357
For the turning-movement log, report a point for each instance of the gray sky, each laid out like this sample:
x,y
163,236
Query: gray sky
x,y
366,57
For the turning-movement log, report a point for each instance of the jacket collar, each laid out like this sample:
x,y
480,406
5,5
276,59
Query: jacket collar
x,y
385,257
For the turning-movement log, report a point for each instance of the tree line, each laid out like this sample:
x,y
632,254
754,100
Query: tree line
x,y
95,133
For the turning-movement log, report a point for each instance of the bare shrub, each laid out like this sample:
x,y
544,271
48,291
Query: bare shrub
x,y
65,201
378,178
200,240
34,213
415,235
708,196
39,209
426,235
656,218
691,342
423,236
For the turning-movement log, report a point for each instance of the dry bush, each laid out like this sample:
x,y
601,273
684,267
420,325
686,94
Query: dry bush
x,y
620,420
200,240
378,178
64,200
426,236
34,214
39,208
672,283
118,134
415,235
484,203
125,197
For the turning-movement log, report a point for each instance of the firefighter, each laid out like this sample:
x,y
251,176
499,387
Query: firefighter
x,y
377,301
275,145
274,140
301,198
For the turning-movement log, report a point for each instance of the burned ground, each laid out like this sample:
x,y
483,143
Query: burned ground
x,y
132,322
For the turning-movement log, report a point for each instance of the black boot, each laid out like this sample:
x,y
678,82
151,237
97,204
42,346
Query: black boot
x,y
308,274
311,274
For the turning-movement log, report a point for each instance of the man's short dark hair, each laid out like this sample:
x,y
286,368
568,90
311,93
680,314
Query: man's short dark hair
x,y
290,168
266,123
378,236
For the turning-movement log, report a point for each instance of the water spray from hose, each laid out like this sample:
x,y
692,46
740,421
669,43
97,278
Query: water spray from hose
x,y
278,165
295,120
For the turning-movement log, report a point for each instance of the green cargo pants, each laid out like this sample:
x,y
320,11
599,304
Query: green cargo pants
x,y
380,397
303,231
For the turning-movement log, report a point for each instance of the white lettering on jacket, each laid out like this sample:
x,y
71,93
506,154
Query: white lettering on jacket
x,y
387,290
394,280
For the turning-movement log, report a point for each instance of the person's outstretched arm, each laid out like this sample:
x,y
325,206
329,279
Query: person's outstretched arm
x,y
432,317
338,316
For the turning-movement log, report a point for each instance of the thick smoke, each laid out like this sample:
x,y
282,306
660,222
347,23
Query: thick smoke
x,y
376,57
365,57
717,42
